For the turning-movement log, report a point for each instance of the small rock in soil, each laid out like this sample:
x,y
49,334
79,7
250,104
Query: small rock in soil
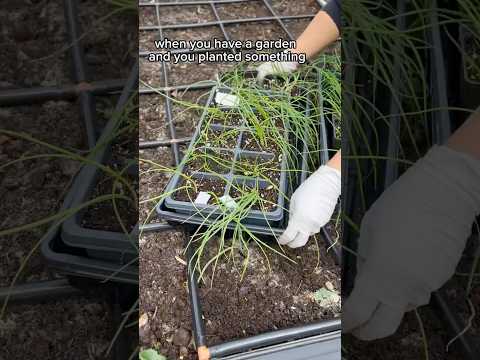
x,y
181,337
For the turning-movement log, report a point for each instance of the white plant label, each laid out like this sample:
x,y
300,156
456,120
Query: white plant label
x,y
229,203
227,100
202,198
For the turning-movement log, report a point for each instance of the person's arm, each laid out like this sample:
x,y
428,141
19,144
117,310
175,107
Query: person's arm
x,y
323,30
313,203
319,34
467,138
429,210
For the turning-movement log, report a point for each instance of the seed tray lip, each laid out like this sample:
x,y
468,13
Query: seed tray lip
x,y
72,233
266,217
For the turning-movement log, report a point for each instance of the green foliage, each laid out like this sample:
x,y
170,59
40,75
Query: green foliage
x,y
150,354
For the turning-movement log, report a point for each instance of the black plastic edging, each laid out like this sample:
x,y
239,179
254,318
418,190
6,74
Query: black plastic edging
x,y
67,92
38,291
109,245
276,337
319,347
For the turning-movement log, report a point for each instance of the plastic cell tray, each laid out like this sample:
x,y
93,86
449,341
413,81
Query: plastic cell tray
x,y
231,176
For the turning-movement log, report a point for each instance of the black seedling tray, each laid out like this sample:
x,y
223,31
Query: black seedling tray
x,y
229,177
469,88
111,246
195,219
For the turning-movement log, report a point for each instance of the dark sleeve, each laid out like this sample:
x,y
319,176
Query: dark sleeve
x,y
334,9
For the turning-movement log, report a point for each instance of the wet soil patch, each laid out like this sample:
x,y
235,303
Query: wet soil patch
x,y
276,299
164,299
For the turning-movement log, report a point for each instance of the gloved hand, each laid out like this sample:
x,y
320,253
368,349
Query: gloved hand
x,y
275,68
411,240
312,206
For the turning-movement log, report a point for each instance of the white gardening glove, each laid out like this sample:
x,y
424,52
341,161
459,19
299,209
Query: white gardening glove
x,y
411,240
275,68
312,206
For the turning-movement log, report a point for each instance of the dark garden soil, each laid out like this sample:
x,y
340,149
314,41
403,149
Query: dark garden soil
x,y
146,40
269,196
70,329
35,53
230,119
151,73
276,299
246,10
255,166
250,143
32,42
285,8
152,178
472,48
265,30
152,118
226,138
49,179
407,343
101,216
172,15
210,160
110,40
296,26
213,186
164,302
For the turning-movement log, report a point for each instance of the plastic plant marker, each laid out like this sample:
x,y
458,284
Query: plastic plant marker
x,y
227,100
151,354
202,198
229,203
